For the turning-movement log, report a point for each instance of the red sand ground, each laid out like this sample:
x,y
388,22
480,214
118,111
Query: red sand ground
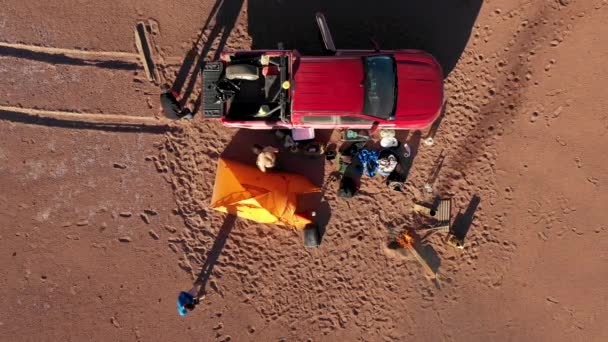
x,y
525,129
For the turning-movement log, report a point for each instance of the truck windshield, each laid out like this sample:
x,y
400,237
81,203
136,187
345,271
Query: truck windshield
x,y
380,86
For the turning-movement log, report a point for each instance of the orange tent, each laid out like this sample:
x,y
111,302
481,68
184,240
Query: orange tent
x,y
265,197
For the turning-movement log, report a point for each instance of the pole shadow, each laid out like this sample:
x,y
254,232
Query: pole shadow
x,y
74,124
214,253
462,222
440,27
436,168
221,21
63,59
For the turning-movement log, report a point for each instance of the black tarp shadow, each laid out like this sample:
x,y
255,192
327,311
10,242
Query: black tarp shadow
x,y
441,27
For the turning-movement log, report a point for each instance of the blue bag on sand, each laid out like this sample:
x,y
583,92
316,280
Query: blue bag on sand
x,y
369,159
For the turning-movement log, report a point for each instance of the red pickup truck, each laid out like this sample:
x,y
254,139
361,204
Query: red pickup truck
x,y
400,89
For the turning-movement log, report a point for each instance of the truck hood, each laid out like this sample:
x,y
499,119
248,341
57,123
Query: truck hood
x,y
419,87
328,84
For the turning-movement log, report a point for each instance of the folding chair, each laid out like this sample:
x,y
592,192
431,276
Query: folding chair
x,y
441,213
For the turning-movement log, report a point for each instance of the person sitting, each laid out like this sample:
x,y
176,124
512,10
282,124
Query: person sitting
x,y
267,157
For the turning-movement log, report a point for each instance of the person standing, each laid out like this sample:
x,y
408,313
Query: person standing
x,y
187,301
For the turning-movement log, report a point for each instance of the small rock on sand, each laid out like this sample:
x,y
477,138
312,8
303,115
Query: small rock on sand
x,y
125,239
145,218
153,234
82,223
150,212
173,248
125,214
120,166
114,322
171,229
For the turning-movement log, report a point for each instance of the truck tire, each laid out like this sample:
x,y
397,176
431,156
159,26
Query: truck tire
x,y
312,238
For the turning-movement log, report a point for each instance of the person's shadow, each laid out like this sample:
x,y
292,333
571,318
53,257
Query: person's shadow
x,y
440,27
214,253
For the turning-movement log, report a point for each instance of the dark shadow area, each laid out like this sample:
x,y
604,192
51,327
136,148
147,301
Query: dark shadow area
x,y
221,22
440,27
462,222
214,253
401,136
315,202
197,103
51,122
63,59
312,167
354,170
506,105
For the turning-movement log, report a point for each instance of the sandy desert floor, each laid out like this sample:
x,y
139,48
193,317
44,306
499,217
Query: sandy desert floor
x,y
102,226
